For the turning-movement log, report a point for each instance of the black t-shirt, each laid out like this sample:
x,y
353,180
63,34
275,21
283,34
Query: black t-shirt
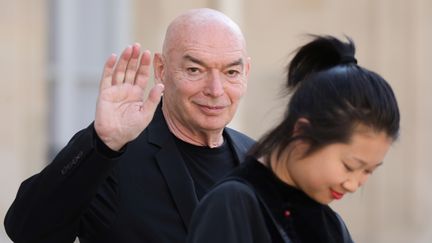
x,y
206,165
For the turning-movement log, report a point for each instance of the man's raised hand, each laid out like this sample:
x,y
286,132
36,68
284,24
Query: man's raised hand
x,y
122,113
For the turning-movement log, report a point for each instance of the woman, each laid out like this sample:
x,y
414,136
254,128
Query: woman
x,y
339,124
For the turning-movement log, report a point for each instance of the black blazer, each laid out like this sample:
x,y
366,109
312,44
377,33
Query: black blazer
x,y
144,194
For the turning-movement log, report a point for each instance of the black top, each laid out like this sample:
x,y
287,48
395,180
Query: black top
x,y
206,165
232,211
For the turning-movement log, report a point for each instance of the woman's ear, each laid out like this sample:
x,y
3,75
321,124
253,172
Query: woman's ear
x,y
300,126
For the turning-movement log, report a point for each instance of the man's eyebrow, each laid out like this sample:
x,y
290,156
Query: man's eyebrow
x,y
238,62
195,60
199,62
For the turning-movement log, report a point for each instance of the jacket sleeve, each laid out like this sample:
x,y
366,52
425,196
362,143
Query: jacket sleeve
x,y
48,205
230,213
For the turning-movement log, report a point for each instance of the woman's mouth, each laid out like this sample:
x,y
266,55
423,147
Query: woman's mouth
x,y
336,195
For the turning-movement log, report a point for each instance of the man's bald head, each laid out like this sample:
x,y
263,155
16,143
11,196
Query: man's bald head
x,y
204,68
195,23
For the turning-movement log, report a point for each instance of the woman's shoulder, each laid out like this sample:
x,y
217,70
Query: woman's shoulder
x,y
232,189
230,212
231,200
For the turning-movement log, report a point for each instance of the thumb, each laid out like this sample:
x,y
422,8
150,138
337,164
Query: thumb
x,y
153,98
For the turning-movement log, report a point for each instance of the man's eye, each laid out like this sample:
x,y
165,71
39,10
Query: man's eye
x,y
193,70
232,73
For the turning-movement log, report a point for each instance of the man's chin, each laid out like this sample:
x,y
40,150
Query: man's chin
x,y
213,126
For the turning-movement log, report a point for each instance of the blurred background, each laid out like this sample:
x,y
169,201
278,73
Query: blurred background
x,y
52,53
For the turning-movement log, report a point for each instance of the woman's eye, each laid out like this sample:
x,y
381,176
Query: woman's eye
x,y
348,168
369,172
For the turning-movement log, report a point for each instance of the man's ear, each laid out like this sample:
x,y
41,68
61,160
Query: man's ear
x,y
247,67
300,126
159,68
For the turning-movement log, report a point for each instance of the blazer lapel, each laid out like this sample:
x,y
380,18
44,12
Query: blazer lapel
x,y
173,168
178,179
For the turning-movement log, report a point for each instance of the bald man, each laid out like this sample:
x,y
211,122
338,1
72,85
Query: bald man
x,y
137,173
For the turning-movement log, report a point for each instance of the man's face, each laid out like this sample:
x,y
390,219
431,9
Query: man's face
x,y
205,76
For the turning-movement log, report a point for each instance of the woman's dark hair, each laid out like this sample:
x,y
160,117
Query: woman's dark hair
x,y
335,95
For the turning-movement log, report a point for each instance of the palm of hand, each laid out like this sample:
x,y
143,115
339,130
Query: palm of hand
x,y
121,112
121,107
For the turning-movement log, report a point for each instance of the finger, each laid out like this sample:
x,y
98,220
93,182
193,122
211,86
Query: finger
x,y
120,69
143,72
153,99
107,72
131,69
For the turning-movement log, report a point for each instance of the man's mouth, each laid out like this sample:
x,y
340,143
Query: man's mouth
x,y
212,109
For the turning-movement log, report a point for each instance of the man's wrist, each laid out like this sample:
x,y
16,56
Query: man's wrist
x,y
104,149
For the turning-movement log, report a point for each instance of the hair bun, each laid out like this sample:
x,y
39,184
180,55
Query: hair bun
x,y
323,52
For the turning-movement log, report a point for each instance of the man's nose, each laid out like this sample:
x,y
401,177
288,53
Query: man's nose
x,y
214,86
